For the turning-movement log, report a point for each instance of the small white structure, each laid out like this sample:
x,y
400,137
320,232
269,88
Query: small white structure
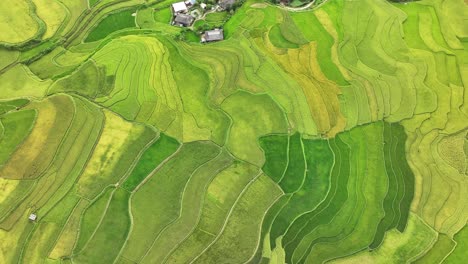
x,y
179,7
203,5
32,217
190,2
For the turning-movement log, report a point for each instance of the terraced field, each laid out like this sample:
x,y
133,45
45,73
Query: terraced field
x,y
336,133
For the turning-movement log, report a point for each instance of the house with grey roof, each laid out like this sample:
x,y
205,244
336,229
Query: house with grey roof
x,y
212,35
183,20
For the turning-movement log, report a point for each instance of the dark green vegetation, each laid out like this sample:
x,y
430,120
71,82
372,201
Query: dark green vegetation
x,y
113,22
151,158
333,196
460,253
334,133
15,127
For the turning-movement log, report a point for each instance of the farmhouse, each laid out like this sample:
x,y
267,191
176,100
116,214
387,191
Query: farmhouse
x,y
212,35
179,7
32,217
183,20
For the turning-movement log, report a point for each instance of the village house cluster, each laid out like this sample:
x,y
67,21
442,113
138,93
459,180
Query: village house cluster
x,y
184,15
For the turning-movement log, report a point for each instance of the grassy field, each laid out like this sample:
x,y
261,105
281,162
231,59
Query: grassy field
x,y
111,23
336,133
19,22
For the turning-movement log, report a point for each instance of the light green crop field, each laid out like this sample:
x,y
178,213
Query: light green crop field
x,y
327,131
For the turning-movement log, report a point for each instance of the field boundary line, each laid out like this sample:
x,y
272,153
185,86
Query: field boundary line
x,y
228,216
97,226
231,162
322,200
181,205
281,194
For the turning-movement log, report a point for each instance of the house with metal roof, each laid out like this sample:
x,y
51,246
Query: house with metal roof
x,y
212,35
32,217
179,7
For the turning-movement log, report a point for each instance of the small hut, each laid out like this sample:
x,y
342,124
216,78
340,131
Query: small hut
x,y
32,217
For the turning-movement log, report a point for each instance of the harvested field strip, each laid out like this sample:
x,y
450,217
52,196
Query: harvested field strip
x,y
166,187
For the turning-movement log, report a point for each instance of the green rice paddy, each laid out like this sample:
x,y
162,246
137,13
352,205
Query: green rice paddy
x,y
336,133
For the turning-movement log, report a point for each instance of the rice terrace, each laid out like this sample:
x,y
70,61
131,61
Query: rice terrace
x,y
233,131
